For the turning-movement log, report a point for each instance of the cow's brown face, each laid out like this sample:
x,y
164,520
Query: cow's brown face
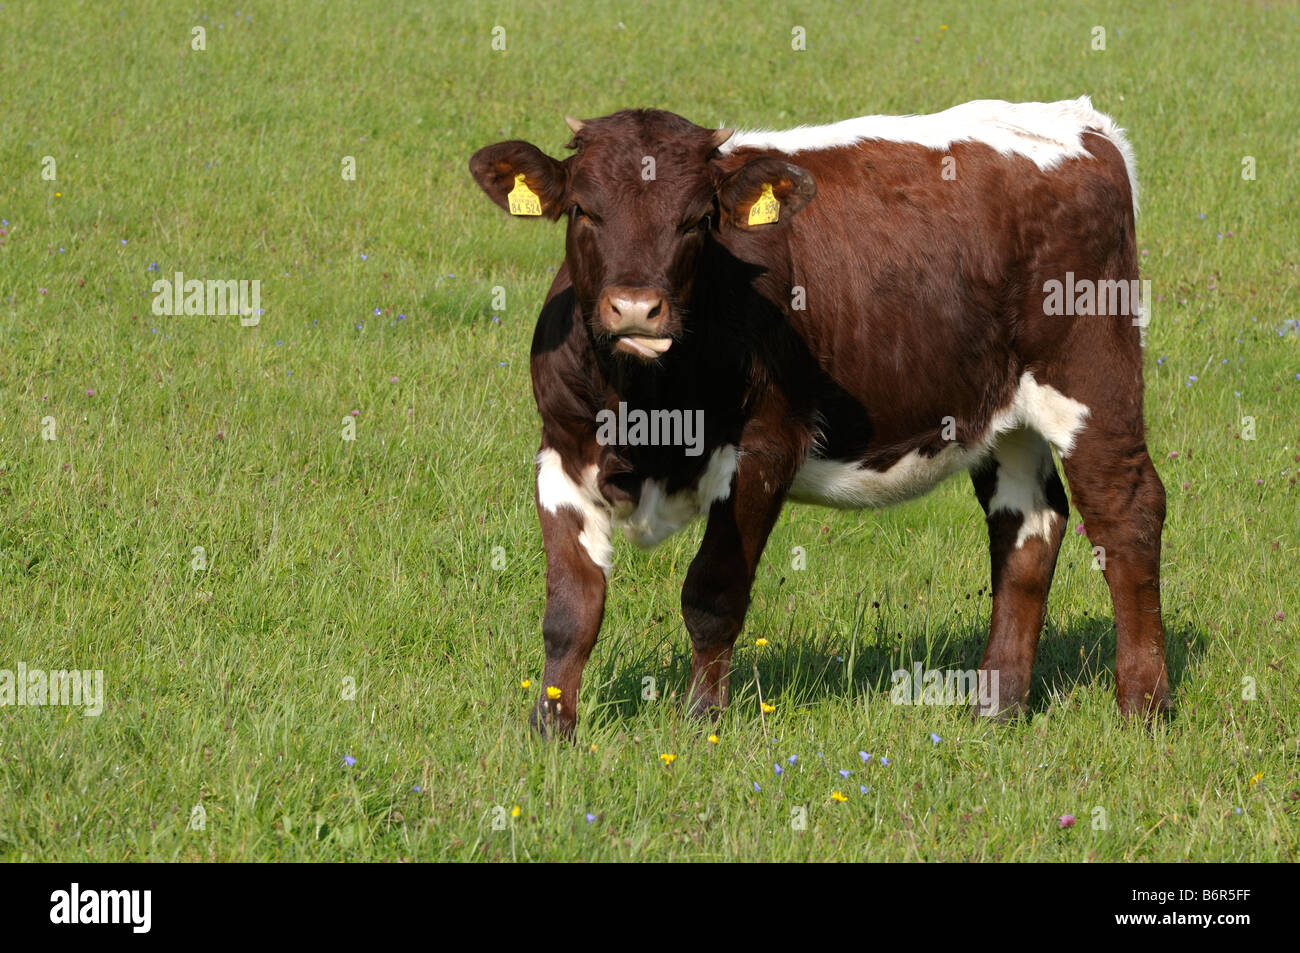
x,y
643,194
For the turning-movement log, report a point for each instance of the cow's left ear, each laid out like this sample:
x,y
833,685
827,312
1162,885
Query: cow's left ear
x,y
765,192
521,178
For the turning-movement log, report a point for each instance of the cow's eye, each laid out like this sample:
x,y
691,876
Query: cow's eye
x,y
579,215
701,225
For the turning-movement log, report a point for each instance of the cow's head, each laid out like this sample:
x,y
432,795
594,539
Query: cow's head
x,y
644,193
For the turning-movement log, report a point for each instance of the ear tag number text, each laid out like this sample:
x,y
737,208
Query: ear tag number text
x,y
523,200
767,209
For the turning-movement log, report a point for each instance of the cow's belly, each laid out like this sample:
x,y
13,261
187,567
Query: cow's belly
x,y
848,485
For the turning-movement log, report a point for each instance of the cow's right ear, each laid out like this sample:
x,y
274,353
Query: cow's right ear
x,y
521,178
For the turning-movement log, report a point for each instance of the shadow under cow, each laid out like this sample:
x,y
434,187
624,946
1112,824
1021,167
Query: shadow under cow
x,y
628,674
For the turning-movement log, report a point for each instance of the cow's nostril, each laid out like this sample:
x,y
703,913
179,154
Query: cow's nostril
x,y
654,312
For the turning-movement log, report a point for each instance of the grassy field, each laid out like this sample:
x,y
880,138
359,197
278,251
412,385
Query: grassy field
x,y
338,672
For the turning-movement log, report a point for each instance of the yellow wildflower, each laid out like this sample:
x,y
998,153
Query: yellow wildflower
x,y
668,758
552,692
837,796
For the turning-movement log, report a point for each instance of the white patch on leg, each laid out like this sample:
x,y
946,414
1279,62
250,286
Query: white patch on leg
x,y
714,483
1051,413
556,489
658,514
1024,467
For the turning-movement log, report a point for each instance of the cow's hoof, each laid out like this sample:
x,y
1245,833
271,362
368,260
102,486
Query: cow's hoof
x,y
1145,707
550,721
1000,712
704,709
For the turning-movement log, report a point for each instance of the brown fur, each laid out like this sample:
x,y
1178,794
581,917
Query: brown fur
x,y
924,300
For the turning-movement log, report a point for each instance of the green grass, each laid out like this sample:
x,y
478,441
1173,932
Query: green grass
x,y
371,560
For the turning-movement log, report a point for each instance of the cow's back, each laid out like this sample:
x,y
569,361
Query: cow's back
x,y
922,263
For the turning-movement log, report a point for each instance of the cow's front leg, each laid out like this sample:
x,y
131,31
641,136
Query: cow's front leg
x,y
715,597
576,533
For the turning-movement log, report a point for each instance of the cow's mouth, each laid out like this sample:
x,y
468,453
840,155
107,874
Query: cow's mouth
x,y
638,345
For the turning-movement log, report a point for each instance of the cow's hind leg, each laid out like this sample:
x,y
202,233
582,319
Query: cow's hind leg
x,y
1117,491
1025,509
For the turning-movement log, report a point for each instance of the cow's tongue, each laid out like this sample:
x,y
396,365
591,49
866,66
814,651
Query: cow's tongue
x,y
643,346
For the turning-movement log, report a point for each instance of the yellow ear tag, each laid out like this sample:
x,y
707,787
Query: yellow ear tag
x,y
523,200
767,209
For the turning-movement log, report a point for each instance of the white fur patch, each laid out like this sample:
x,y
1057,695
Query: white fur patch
x,y
1046,133
658,515
1024,465
556,489
845,484
1046,410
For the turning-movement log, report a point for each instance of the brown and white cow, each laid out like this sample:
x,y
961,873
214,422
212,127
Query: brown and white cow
x,y
891,326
